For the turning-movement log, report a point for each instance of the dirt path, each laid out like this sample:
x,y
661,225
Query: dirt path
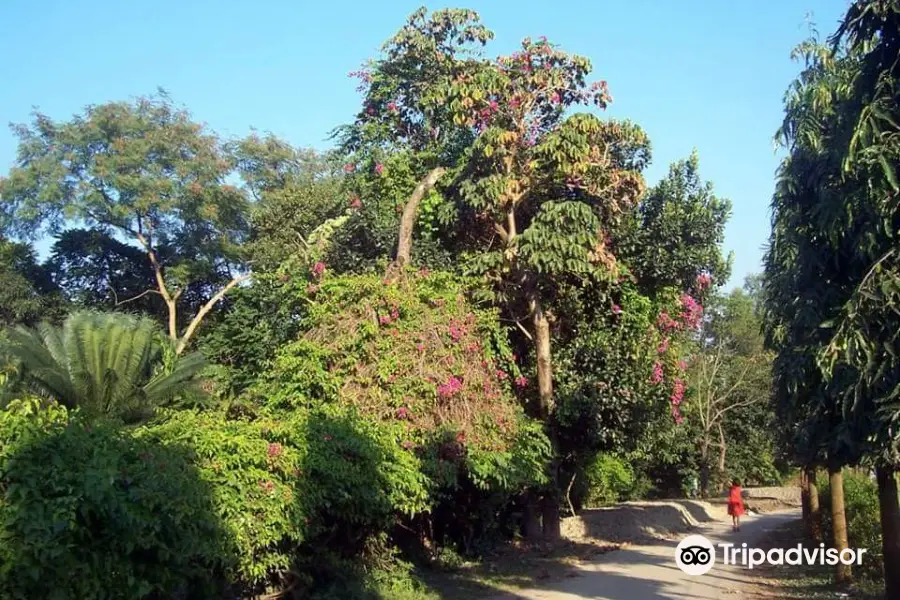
x,y
649,572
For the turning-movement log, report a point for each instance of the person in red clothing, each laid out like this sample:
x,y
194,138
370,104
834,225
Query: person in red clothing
x,y
735,504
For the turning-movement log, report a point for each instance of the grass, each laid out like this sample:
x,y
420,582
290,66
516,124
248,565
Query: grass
x,y
804,582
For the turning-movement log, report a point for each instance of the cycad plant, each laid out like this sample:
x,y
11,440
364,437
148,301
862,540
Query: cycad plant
x,y
105,364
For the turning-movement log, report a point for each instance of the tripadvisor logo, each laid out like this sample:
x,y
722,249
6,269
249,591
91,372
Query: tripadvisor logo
x,y
695,555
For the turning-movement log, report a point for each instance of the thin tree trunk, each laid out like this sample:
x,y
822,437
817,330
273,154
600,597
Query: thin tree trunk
x,y
889,509
804,497
723,448
704,466
408,220
550,501
814,525
838,521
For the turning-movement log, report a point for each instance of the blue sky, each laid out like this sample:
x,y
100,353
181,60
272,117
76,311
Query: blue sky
x,y
694,74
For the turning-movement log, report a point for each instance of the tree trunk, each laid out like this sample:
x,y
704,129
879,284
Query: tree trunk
x,y
814,525
408,220
531,518
838,521
544,362
704,466
889,508
804,497
550,514
720,476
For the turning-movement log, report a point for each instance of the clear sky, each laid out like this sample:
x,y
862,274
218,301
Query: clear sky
x,y
695,74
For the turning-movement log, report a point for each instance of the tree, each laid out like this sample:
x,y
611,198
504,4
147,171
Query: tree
x,y
27,293
676,231
107,365
95,270
815,265
729,372
295,191
145,170
404,140
549,186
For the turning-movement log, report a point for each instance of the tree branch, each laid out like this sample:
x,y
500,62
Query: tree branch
x,y
195,322
141,295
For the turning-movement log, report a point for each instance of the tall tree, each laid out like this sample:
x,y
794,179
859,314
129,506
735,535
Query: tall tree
x,y
676,231
146,171
549,185
729,372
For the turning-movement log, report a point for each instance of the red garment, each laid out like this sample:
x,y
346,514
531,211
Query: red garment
x,y
735,501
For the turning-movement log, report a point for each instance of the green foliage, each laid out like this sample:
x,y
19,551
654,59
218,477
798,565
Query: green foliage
x,y
91,512
95,270
609,480
108,365
676,231
27,292
863,523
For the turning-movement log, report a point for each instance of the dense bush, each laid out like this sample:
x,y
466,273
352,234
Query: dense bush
x,y
863,520
609,479
416,357
88,511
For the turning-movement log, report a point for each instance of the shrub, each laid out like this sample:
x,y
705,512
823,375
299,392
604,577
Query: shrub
x,y
418,358
609,479
863,520
88,511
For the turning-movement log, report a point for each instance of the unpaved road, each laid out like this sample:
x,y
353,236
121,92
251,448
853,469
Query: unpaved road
x,y
650,573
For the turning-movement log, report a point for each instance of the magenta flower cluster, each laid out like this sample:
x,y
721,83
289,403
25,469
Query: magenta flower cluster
x,y
691,311
676,398
450,388
657,375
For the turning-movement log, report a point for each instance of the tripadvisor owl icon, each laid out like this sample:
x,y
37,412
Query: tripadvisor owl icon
x,y
695,555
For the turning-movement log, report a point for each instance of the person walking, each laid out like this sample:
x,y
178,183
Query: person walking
x,y
736,504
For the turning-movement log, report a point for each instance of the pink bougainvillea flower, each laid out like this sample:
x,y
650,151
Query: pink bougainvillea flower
x,y
274,450
420,347
555,98
379,168
450,388
663,346
355,202
677,392
392,106
657,374
692,311
349,168
501,374
616,309
402,412
703,281
384,319
318,269
395,314
521,381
